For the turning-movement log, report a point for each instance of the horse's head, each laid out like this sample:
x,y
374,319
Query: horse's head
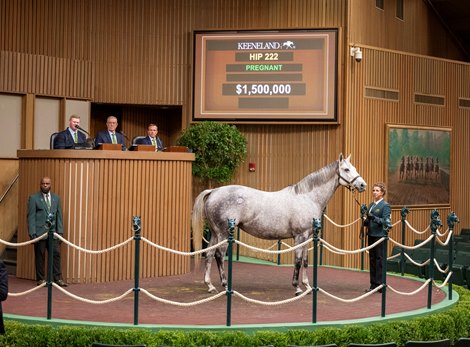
x,y
348,175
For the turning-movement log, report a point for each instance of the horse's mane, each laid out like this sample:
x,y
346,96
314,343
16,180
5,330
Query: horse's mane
x,y
315,179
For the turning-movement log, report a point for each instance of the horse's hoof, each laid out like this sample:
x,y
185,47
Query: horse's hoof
x,y
212,289
298,292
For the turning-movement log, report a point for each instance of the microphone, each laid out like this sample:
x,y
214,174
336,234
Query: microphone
x,y
123,134
82,130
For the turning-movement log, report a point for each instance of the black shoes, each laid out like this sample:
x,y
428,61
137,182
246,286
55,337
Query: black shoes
x,y
40,282
61,283
371,289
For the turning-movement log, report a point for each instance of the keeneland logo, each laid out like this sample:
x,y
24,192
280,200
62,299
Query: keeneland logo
x,y
265,45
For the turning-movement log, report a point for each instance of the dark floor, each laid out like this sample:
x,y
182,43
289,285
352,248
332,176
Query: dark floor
x,y
261,282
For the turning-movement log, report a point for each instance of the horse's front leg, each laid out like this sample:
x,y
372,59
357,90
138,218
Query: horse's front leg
x,y
297,265
305,280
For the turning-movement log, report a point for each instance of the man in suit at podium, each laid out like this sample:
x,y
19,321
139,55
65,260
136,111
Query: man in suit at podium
x,y
70,137
152,138
110,135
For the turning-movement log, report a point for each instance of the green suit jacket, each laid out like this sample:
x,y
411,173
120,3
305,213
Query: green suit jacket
x,y
377,216
38,212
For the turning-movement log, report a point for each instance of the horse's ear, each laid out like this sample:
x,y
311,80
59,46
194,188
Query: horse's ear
x,y
349,157
340,157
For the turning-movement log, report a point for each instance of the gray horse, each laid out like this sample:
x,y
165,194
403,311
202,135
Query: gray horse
x,y
284,214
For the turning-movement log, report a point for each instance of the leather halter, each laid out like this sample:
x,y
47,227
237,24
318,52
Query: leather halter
x,y
349,183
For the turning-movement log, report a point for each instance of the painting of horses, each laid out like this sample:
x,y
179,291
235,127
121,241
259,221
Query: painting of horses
x,y
418,166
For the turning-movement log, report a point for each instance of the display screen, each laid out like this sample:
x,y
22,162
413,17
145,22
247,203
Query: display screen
x,y
265,75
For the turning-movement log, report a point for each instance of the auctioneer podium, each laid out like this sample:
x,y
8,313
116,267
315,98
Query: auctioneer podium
x,y
101,190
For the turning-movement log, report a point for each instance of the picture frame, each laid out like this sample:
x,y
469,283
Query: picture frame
x,y
418,166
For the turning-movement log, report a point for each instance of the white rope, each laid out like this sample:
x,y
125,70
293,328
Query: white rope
x,y
180,252
421,244
273,303
339,225
394,256
183,304
29,291
445,281
415,263
416,231
447,240
256,249
410,293
93,251
354,251
442,234
398,221
373,291
439,267
332,250
37,239
96,302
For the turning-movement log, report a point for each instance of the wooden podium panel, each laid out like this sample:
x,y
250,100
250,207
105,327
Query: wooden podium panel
x,y
110,147
144,148
100,192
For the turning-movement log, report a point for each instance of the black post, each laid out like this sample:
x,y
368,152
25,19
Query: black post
x,y
362,234
451,220
404,213
435,223
231,226
279,242
386,227
50,261
136,226
324,237
238,246
316,226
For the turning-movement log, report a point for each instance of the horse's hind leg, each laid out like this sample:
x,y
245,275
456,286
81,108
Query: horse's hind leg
x,y
219,257
207,273
297,266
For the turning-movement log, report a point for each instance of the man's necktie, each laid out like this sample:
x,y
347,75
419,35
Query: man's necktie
x,y
48,201
75,137
153,141
113,138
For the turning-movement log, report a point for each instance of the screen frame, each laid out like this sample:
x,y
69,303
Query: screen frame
x,y
330,80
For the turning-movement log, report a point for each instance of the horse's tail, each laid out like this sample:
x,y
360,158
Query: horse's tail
x,y
198,218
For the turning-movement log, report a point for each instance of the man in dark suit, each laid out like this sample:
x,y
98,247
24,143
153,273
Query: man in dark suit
x,y
378,216
3,292
44,213
70,137
110,135
152,138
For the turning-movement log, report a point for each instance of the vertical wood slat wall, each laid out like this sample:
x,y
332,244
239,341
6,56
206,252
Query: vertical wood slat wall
x,y
141,52
99,198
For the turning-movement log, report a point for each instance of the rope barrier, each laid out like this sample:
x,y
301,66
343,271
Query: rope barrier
x,y
376,289
182,304
421,244
273,303
416,231
290,248
92,251
20,244
339,225
410,293
379,241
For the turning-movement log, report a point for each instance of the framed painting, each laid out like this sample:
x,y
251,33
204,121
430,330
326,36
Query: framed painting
x,y
418,166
